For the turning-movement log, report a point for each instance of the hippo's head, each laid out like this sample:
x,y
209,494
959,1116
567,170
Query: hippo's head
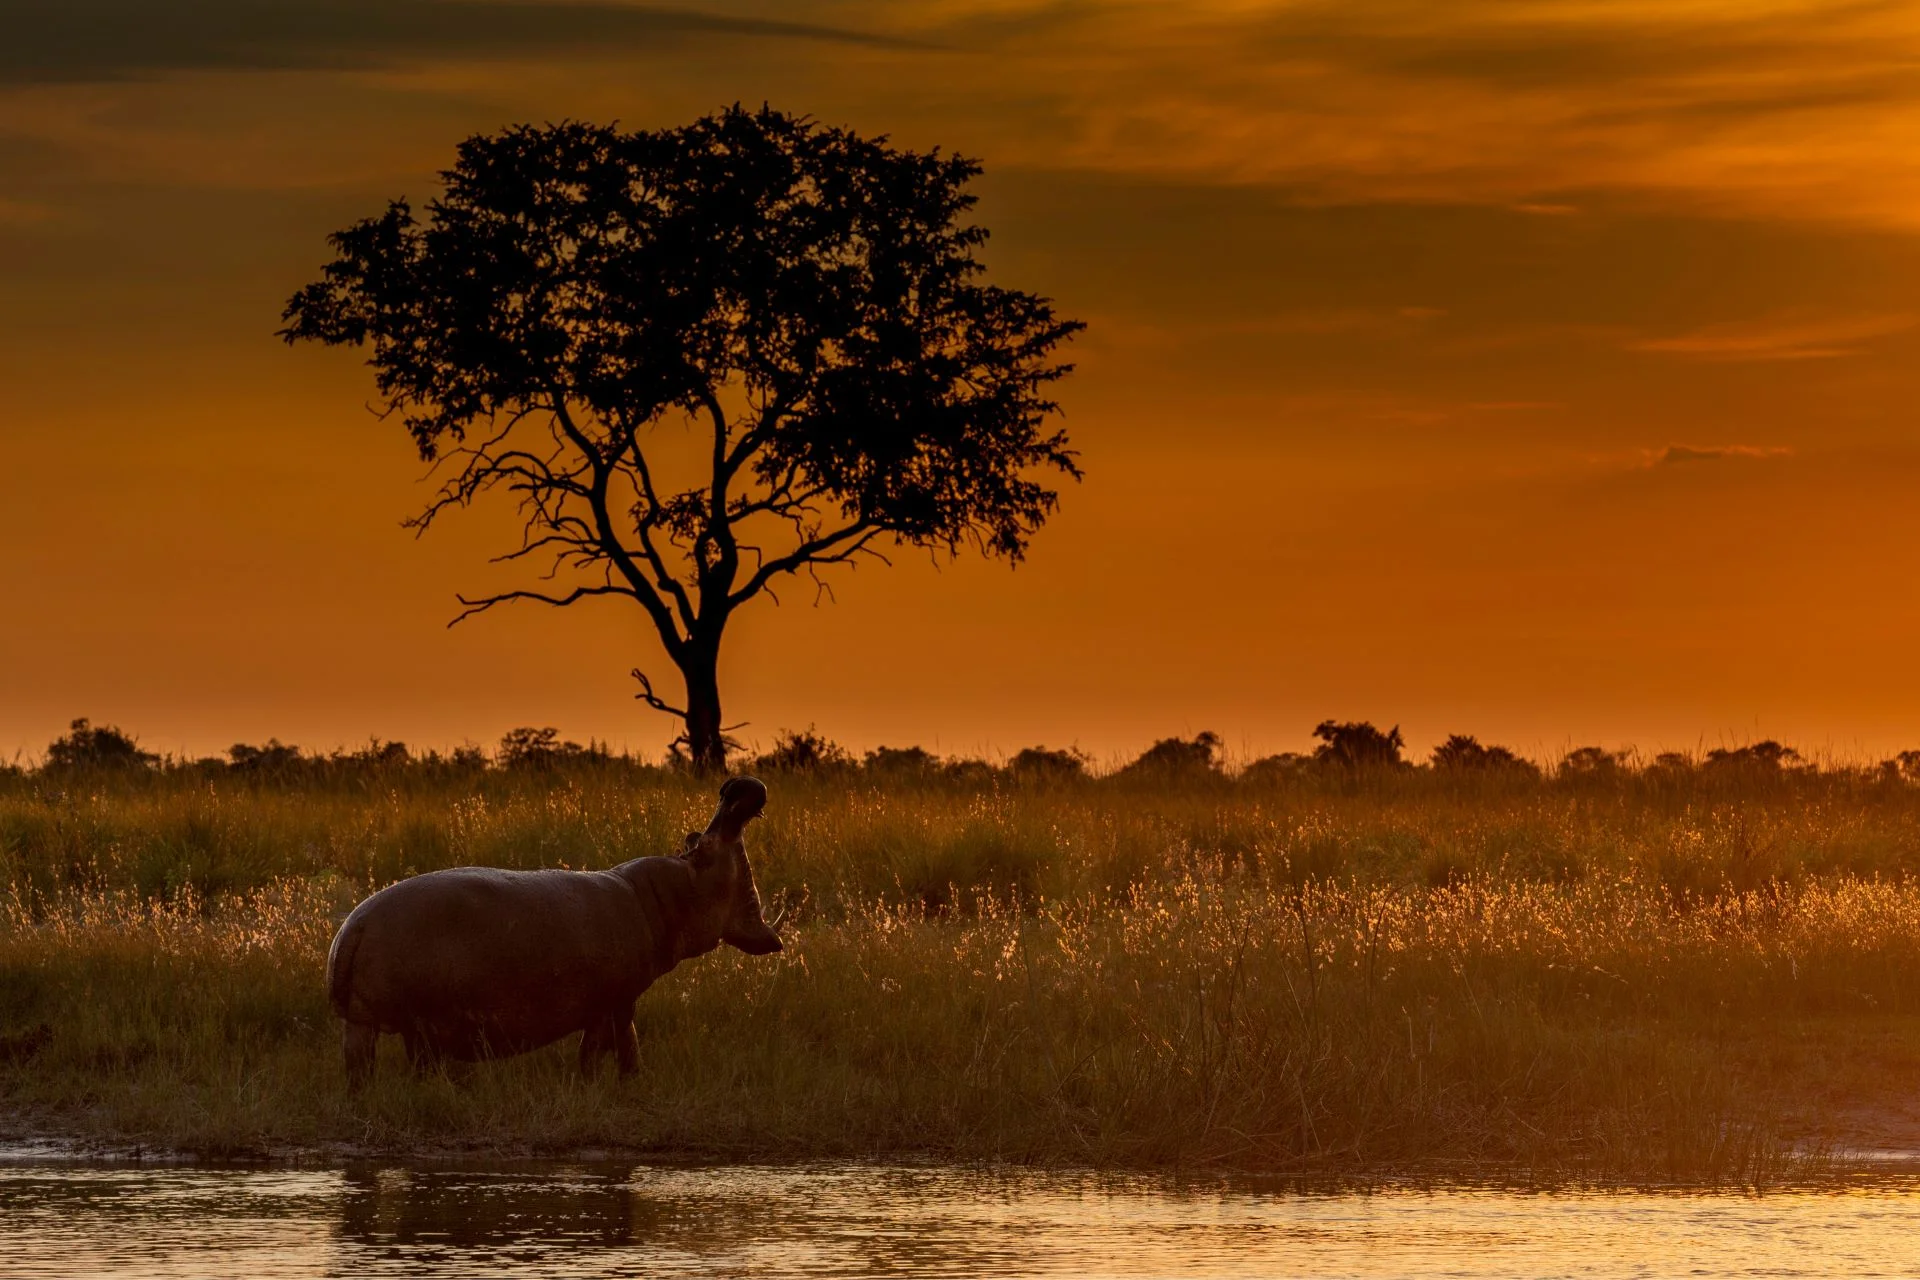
x,y
718,856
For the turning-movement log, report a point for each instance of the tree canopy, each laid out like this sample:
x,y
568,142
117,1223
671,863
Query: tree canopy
x,y
704,359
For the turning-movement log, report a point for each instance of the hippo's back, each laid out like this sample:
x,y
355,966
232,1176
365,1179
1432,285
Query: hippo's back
x,y
520,955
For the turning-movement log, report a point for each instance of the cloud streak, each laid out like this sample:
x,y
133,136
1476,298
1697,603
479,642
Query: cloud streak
x,y
1768,340
1675,455
1797,106
68,41
1803,108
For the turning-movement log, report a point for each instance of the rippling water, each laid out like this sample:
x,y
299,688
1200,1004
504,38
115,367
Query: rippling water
x,y
613,1220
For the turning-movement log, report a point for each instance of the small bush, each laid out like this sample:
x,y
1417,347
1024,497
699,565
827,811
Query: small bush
x,y
1590,763
899,761
1760,760
1178,757
85,747
1357,745
1277,768
1462,753
528,748
275,759
802,751
969,773
1047,764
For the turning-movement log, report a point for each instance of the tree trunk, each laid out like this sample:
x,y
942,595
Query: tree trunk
x,y
705,743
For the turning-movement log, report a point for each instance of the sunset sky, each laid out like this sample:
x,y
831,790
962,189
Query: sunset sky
x,y
1543,371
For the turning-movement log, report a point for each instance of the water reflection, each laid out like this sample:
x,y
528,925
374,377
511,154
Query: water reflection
x,y
628,1220
409,1208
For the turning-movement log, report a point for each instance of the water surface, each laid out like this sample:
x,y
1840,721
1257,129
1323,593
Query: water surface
x,y
622,1220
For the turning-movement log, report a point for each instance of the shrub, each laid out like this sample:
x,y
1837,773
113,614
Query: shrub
x,y
969,772
1287,764
1591,762
901,760
1038,763
85,747
276,758
1670,766
802,751
1356,745
1462,752
1759,759
528,748
1178,757
377,755
1904,767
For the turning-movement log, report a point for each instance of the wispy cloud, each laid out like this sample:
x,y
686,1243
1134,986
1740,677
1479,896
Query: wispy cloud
x,y
93,40
1681,454
1779,339
23,212
1805,106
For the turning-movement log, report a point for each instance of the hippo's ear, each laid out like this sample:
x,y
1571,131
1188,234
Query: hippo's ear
x,y
691,843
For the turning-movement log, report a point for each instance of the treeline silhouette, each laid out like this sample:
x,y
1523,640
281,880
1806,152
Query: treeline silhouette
x,y
1347,752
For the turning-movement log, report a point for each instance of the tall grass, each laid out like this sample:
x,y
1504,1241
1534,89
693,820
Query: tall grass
x,y
1630,978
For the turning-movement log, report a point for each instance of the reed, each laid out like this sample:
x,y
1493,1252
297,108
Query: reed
x,y
1698,984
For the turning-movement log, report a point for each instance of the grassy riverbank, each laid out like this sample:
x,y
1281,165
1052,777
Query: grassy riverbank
x,y
1640,976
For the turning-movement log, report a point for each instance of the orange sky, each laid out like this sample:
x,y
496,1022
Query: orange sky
x,y
1545,371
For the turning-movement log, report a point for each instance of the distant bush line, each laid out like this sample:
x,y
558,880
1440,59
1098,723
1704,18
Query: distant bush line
x,y
1346,751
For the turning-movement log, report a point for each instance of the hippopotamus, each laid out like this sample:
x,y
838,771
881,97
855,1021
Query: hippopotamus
x,y
475,962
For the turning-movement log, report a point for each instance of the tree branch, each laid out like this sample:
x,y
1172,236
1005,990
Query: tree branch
x,y
648,696
642,591
644,526
833,548
716,579
487,602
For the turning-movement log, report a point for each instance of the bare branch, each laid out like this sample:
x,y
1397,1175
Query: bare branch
x,y
585,547
648,696
540,597
642,590
716,578
837,547
645,525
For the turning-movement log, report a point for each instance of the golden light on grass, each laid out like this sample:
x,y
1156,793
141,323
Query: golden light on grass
x,y
1695,983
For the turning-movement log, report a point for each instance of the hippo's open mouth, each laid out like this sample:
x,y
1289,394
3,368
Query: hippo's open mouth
x,y
741,801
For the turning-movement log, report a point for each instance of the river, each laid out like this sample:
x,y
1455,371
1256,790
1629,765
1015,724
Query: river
x,y
69,1219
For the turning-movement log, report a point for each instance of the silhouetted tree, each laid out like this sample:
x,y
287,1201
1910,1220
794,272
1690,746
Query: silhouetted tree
x,y
530,748
1670,766
1178,756
969,771
467,758
85,747
275,759
1590,762
806,299
1766,758
1357,745
802,751
901,761
1036,763
1462,752
385,755
1274,768
1904,767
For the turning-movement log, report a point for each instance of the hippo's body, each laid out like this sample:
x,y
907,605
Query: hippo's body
x,y
474,962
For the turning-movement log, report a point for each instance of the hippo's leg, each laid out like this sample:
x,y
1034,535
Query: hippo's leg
x,y
592,1045
610,1034
595,1043
422,1052
358,1042
626,1043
